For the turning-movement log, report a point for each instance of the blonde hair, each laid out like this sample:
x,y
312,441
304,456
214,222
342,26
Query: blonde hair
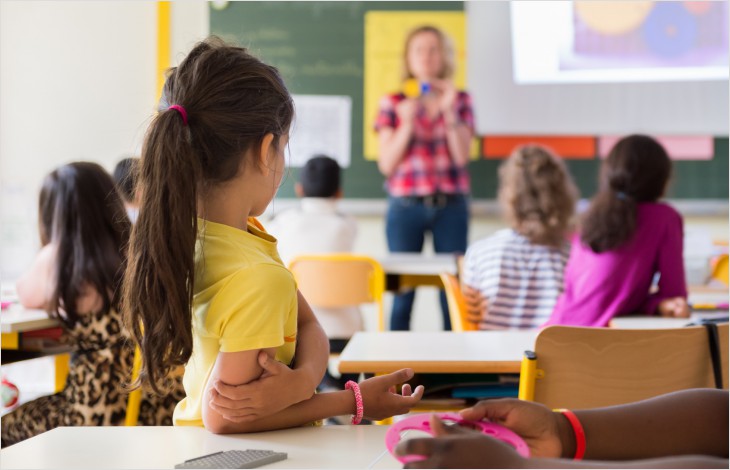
x,y
537,194
447,52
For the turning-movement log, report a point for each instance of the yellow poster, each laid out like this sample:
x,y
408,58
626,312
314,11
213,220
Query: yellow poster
x,y
385,35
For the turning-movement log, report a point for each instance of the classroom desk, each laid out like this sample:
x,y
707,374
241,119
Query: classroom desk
x,y
437,352
644,322
164,446
707,295
16,320
408,270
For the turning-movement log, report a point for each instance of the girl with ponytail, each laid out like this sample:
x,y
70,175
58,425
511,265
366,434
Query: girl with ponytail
x,y
205,287
626,238
513,278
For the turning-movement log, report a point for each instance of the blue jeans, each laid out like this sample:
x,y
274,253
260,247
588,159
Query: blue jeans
x,y
407,221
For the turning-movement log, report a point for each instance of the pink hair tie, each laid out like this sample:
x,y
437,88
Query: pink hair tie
x,y
182,112
359,410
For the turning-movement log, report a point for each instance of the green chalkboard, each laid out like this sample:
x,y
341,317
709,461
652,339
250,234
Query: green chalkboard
x,y
319,49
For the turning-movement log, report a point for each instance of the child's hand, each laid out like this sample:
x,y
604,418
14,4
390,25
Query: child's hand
x,y
406,110
674,307
276,389
457,447
380,400
477,305
533,422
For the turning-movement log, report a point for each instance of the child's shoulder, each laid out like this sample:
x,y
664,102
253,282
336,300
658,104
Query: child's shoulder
x,y
264,275
496,241
659,210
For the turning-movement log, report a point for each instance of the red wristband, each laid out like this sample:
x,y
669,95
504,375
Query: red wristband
x,y
580,435
359,410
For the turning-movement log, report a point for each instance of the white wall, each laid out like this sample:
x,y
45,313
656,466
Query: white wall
x,y
77,82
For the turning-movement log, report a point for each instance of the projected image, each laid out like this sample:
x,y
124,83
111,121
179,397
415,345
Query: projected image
x,y
594,41
647,34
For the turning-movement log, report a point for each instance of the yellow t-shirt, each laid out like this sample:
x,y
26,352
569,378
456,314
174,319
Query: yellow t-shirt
x,y
244,298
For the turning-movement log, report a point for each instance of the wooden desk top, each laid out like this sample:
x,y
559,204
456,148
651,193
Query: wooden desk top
x,y
418,264
16,319
437,352
643,322
164,446
707,295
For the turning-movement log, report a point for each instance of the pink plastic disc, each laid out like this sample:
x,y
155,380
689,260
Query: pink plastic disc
x,y
421,422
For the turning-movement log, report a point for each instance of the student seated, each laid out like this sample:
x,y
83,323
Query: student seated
x,y
125,177
513,278
316,226
685,429
205,282
626,238
76,277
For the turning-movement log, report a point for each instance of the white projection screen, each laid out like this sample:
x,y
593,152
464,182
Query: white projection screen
x,y
580,68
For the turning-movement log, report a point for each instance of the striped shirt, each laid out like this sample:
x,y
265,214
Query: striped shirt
x,y
427,167
520,280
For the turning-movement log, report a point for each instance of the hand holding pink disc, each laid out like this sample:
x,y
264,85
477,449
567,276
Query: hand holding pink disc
x,y
421,422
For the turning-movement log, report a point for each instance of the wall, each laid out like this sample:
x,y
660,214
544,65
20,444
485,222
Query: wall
x,y
77,82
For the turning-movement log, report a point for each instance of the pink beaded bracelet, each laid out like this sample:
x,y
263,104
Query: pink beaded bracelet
x,y
352,385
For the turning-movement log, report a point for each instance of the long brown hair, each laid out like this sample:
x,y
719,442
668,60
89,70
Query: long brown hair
x,y
637,170
232,100
81,213
537,194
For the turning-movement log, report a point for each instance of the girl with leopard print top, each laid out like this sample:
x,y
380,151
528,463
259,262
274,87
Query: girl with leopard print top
x,y
76,277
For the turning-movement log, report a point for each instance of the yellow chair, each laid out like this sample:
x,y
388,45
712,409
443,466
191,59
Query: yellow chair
x,y
457,305
135,396
720,270
575,367
340,280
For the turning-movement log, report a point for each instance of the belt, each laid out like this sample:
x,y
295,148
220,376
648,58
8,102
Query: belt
x,y
434,200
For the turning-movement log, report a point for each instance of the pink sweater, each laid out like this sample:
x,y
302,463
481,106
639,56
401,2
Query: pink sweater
x,y
600,286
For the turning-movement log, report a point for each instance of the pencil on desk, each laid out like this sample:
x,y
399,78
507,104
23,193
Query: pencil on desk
x,y
721,306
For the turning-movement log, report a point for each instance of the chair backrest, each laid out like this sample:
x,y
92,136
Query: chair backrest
x,y
456,303
723,330
340,280
720,269
576,367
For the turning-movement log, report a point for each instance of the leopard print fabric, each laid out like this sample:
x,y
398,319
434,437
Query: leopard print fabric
x,y
95,393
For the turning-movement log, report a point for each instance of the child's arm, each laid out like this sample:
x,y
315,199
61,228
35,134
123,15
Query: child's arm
x,y
670,265
477,306
242,367
33,286
393,142
468,449
679,430
313,348
279,386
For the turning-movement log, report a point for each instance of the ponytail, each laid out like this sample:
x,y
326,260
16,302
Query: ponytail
x,y
159,289
636,170
609,222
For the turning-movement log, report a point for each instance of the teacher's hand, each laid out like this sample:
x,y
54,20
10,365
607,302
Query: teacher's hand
x,y
406,110
447,101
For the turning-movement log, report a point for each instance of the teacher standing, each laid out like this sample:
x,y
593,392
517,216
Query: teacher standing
x,y
424,151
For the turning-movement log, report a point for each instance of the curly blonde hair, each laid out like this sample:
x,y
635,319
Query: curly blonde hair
x,y
537,195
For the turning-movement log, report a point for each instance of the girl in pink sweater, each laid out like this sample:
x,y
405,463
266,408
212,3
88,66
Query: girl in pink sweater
x,y
626,237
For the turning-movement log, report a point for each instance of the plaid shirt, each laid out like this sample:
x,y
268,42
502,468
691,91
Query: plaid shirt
x,y
427,167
